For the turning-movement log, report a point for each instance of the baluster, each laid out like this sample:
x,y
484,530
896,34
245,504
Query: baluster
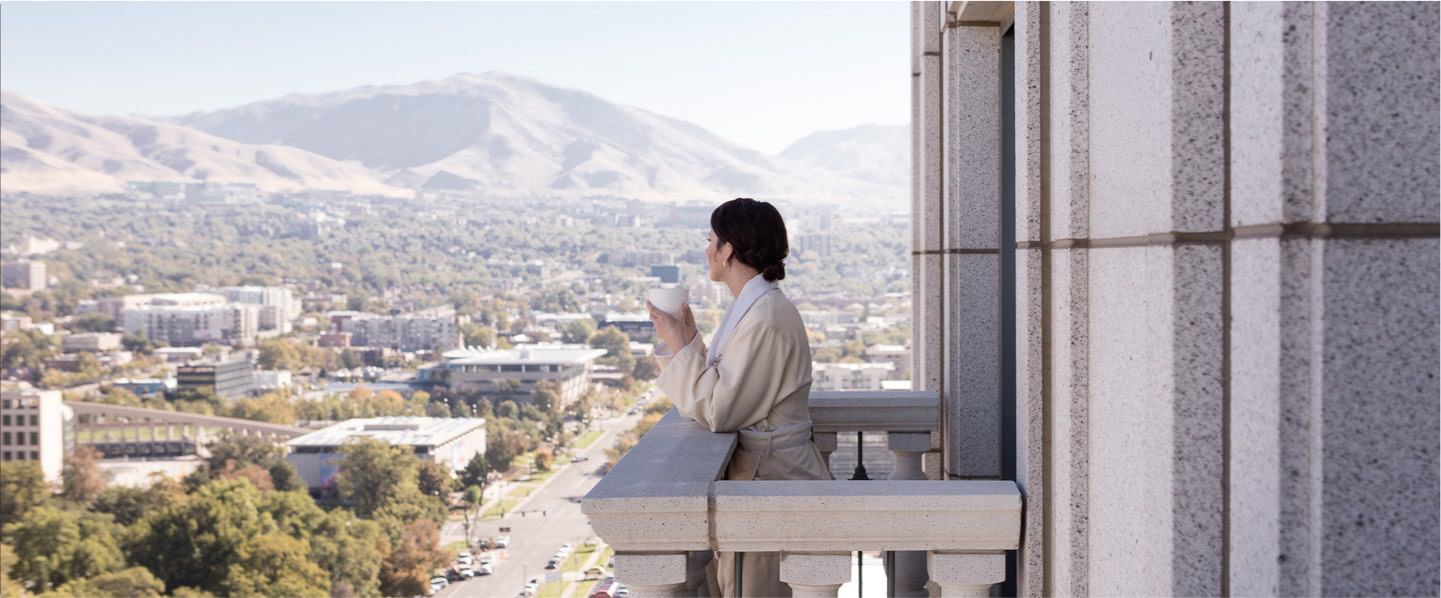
x,y
695,572
969,574
908,568
818,575
651,575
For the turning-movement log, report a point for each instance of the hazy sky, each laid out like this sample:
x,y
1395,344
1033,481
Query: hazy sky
x,y
760,74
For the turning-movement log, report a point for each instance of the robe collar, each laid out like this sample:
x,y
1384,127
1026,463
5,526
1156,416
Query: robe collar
x,y
755,288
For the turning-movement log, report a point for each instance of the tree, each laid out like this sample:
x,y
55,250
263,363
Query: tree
x,y
646,368
94,322
473,497
22,487
136,582
502,447
475,472
406,571
232,451
350,550
279,354
617,346
435,479
128,505
54,546
543,459
81,480
577,331
372,473
274,564
350,359
479,336
507,410
545,398
9,588
138,344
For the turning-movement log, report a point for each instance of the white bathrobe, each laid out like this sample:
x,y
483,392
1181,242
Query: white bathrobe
x,y
758,386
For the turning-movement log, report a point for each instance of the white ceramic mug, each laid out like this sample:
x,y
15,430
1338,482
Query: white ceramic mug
x,y
668,298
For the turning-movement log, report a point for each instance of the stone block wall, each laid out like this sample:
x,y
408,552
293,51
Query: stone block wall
x,y
1226,288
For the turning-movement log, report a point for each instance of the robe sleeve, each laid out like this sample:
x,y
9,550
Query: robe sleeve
x,y
739,390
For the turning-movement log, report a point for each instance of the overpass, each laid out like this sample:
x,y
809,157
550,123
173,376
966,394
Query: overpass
x,y
110,424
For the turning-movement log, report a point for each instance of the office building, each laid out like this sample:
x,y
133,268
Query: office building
x,y
225,379
452,442
35,425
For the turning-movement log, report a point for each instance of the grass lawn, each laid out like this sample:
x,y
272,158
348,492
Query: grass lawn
x,y
588,439
553,589
506,505
578,558
457,546
606,556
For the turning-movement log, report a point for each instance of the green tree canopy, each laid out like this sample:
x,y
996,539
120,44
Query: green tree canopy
x,y
54,546
22,487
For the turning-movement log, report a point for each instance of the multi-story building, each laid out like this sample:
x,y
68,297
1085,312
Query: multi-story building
x,y
434,329
849,376
91,342
278,305
636,326
667,273
899,356
35,425
190,319
225,379
515,372
23,274
450,441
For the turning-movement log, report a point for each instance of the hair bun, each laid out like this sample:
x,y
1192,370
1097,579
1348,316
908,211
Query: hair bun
x,y
774,272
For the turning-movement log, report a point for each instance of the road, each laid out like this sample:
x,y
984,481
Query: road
x,y
550,519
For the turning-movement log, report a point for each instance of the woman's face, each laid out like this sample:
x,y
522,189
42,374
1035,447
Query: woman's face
x,y
716,254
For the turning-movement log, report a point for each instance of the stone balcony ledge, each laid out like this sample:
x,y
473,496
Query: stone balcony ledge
x,y
665,503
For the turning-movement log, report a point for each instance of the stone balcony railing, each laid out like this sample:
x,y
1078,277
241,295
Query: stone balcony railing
x,y
664,508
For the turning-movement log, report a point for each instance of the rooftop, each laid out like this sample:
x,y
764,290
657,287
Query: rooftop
x,y
531,354
408,431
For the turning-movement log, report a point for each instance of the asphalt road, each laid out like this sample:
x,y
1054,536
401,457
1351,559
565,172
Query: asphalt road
x,y
540,525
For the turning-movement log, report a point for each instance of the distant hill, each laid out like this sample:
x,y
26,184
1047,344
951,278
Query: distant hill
x,y
495,133
879,154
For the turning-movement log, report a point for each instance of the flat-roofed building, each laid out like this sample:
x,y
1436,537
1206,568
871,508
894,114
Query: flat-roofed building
x,y
449,441
91,342
426,330
23,274
190,319
224,379
517,371
35,425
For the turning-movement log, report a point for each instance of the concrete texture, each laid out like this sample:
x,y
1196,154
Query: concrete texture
x,y
1031,440
651,574
971,391
1028,120
1271,112
1383,111
973,142
1070,423
1069,116
928,368
961,570
1379,415
1132,425
1197,542
816,569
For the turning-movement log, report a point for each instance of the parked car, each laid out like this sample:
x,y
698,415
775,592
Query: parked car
x,y
485,560
552,564
453,575
502,541
579,459
466,572
594,573
464,558
621,591
485,569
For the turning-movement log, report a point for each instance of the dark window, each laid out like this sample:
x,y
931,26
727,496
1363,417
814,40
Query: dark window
x,y
34,455
5,421
35,439
5,438
6,456
34,420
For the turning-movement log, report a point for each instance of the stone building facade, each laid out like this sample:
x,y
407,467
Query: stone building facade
x,y
1176,273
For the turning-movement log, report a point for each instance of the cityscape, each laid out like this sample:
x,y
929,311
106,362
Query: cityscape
x,y
365,299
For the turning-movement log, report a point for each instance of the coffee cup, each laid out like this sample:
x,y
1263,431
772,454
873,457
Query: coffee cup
x,y
668,299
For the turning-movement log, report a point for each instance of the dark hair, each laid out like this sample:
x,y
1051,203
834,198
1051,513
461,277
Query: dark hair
x,y
756,232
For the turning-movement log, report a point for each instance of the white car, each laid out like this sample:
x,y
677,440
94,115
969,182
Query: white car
x,y
464,558
466,572
485,569
502,541
485,560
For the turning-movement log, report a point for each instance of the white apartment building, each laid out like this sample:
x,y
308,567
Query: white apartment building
x,y
849,376
425,330
92,342
190,319
35,425
450,441
23,274
278,305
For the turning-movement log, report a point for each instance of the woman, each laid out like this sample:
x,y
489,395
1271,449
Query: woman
x,y
754,378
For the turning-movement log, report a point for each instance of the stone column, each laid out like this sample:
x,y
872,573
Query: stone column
x,y
652,575
818,575
968,574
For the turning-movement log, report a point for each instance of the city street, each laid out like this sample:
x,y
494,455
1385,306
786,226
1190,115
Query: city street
x,y
540,524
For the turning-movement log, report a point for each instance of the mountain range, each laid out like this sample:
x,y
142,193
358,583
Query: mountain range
x,y
500,134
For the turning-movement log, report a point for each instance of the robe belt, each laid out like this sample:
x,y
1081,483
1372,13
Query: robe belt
x,y
764,441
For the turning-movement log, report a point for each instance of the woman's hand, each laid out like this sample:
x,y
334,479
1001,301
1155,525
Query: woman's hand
x,y
677,332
